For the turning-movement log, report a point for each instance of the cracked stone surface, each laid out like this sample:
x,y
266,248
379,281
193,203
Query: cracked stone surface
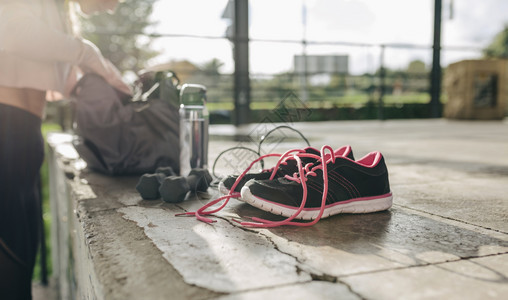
x,y
340,246
308,290
446,237
477,278
219,257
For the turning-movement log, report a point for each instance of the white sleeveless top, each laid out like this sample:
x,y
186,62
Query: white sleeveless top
x,y
35,50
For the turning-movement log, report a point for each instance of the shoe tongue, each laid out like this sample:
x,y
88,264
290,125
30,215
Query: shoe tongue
x,y
312,151
291,163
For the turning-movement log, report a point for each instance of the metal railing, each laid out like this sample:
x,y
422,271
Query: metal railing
x,y
379,87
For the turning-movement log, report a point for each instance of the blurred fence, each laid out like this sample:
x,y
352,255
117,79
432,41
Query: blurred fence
x,y
385,84
382,92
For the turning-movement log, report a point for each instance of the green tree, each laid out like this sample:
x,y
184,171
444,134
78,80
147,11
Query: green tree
x,y
498,48
120,36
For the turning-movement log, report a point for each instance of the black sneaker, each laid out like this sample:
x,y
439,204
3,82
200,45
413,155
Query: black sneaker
x,y
350,187
288,166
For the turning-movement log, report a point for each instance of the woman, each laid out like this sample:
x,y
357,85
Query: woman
x,y
40,59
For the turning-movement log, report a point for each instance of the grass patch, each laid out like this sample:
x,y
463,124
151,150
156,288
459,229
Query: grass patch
x,y
46,214
346,100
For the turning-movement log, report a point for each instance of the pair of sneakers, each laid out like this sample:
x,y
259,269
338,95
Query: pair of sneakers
x,y
308,184
312,184
287,165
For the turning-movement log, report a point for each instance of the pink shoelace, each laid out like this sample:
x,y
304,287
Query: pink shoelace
x,y
301,177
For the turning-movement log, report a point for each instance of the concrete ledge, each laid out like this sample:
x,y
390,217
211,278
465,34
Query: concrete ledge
x,y
446,236
98,254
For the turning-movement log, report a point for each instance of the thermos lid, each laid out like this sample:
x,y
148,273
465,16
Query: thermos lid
x,y
193,94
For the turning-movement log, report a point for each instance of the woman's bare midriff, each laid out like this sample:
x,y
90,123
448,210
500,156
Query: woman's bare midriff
x,y
33,101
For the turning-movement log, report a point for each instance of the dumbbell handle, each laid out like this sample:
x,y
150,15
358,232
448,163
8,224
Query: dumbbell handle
x,y
174,188
197,183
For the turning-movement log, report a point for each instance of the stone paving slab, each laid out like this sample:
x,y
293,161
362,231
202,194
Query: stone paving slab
x,y
309,290
476,278
474,198
338,246
218,257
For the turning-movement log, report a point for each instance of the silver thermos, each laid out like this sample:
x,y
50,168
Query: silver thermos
x,y
194,120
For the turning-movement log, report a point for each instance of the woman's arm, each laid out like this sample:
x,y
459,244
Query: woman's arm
x,y
23,34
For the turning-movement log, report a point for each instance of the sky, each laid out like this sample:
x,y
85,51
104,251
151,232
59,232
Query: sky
x,y
472,24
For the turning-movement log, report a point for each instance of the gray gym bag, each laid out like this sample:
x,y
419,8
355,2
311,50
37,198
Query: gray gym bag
x,y
119,136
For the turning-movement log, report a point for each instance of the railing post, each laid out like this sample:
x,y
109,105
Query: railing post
x,y
435,75
241,58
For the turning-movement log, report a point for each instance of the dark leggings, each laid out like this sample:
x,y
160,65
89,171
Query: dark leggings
x,y
21,156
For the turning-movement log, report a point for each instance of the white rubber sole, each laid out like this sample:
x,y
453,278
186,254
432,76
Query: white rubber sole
x,y
353,206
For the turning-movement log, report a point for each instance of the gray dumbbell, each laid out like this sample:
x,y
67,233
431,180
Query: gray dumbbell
x,y
168,171
173,189
148,185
